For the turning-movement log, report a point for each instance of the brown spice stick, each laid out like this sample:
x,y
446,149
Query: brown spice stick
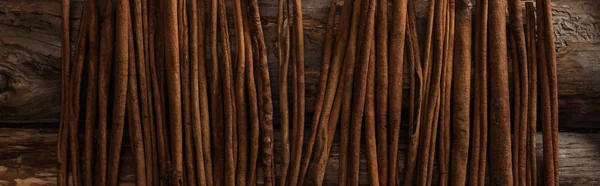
x,y
332,101
104,74
252,102
140,52
316,128
228,100
382,89
216,101
92,93
397,41
240,99
500,153
370,135
120,95
75,85
462,90
545,99
174,90
300,106
533,94
133,113
432,91
283,63
346,99
359,90
265,94
62,145
548,36
196,120
416,96
204,103
516,25
157,91
445,114
479,143
517,102
184,56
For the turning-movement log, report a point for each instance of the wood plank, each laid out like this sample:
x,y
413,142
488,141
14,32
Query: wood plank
x,y
27,156
30,57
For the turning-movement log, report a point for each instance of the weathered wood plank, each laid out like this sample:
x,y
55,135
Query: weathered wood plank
x,y
30,57
28,156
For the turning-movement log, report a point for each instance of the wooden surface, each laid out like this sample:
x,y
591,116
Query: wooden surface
x,y
30,57
27,156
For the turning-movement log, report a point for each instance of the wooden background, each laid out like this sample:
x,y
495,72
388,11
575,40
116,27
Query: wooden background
x,y
30,83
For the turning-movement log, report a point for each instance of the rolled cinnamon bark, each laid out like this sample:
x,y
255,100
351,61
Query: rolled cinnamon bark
x,y
120,93
548,38
370,136
332,104
63,134
75,86
265,94
140,52
216,104
417,88
174,90
545,98
318,130
133,115
382,89
462,93
500,153
104,74
396,57
92,93
445,114
283,64
533,93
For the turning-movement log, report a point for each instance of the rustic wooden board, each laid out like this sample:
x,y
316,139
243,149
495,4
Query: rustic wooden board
x,y
30,57
27,156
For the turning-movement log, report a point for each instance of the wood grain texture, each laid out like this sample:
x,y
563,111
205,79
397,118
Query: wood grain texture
x,y
28,157
30,57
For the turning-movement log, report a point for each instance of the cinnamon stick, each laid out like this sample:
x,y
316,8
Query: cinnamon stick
x,y
283,63
349,69
196,120
252,102
444,156
479,142
218,133
316,128
184,56
92,93
228,101
139,42
133,113
396,57
120,93
75,85
370,136
265,94
548,38
240,99
174,90
533,94
332,100
382,89
104,74
416,93
63,134
462,90
500,153
545,98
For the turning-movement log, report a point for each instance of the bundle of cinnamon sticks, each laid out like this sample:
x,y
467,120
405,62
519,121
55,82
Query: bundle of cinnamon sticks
x,y
150,64
199,111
